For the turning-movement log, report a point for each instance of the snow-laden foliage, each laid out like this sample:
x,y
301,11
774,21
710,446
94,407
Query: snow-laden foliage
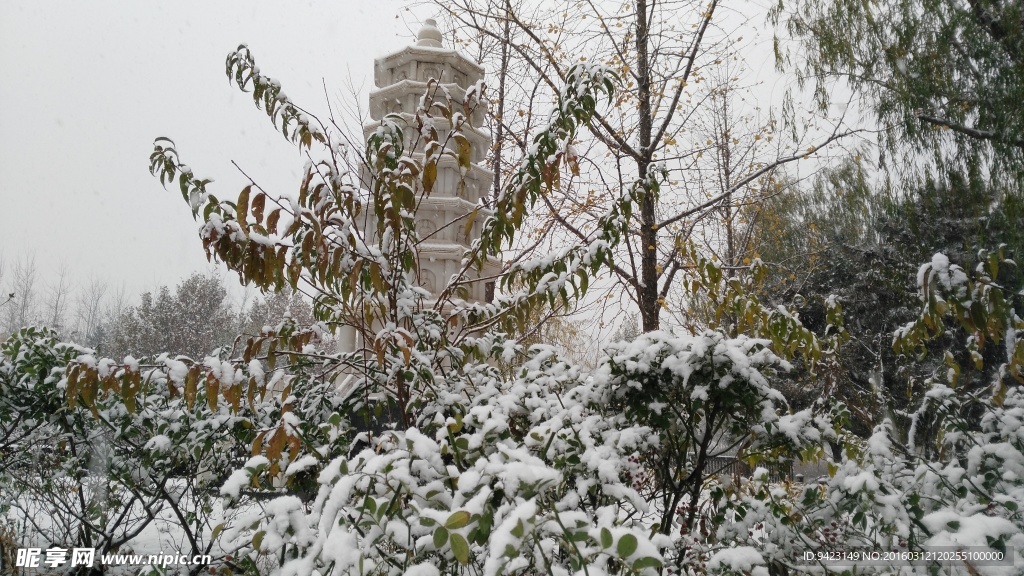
x,y
497,477
422,452
97,469
955,480
884,498
541,473
96,452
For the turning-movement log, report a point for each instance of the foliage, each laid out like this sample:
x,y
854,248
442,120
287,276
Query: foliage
x,y
702,398
849,242
669,141
979,306
144,442
942,75
537,468
497,476
99,472
960,486
192,321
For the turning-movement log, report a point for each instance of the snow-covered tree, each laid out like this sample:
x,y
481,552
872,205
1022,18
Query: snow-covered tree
x,y
193,320
678,135
544,468
858,243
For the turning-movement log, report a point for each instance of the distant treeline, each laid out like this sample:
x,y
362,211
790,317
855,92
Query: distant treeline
x,y
191,318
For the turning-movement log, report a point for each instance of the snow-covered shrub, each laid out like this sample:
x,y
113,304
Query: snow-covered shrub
x,y
100,471
414,454
120,453
541,473
95,452
518,476
956,480
887,498
701,400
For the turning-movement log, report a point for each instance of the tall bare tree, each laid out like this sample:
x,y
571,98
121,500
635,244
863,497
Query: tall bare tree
x,y
22,289
89,304
58,298
676,60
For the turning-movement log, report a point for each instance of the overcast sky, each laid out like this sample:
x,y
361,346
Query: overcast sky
x,y
87,86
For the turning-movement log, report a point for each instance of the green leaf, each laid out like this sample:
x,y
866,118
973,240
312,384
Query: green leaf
x,y
606,538
460,548
457,520
627,545
518,530
978,314
440,537
646,562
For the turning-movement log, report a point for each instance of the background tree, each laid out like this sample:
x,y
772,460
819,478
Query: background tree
x,y
22,290
627,330
945,76
851,239
677,62
273,308
90,313
192,321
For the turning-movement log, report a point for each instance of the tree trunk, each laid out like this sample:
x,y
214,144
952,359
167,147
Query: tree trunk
x,y
650,307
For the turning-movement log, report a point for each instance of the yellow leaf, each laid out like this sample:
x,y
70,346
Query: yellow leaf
x,y
464,150
212,391
191,386
470,219
242,206
429,176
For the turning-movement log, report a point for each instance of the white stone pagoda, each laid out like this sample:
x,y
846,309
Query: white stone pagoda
x,y
401,79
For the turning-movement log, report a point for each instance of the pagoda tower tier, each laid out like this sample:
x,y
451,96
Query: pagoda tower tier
x,y
402,80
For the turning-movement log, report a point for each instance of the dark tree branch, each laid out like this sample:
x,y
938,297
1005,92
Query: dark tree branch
x,y
971,132
753,176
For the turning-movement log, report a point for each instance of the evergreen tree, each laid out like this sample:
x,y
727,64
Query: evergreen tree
x,y
269,311
191,321
849,239
946,77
